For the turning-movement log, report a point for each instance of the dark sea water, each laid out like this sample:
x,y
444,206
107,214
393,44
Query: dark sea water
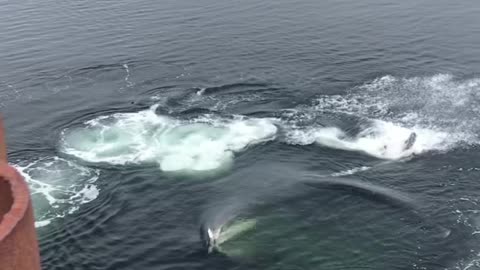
x,y
139,125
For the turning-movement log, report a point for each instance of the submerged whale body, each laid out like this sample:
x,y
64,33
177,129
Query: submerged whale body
x,y
366,190
214,236
383,195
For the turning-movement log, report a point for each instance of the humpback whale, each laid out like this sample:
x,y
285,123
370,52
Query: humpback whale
x,y
410,141
214,236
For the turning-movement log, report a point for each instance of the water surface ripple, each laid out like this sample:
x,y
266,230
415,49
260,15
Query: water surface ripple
x,y
303,134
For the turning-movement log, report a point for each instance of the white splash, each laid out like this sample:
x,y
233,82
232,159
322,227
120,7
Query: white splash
x,y
201,144
42,223
439,102
351,171
127,77
441,111
382,140
201,91
58,187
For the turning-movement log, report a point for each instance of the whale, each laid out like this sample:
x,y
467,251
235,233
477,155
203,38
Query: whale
x,y
214,236
408,144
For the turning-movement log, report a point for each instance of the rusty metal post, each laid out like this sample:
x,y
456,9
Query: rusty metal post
x,y
18,238
3,144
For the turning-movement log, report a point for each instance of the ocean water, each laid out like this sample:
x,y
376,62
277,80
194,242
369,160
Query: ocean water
x,y
299,134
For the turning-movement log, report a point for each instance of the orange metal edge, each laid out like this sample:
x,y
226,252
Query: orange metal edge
x,y
21,199
18,238
3,145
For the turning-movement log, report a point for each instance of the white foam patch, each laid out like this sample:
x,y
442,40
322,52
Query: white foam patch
x,y
439,102
42,223
201,91
442,111
58,187
127,77
383,140
351,171
201,144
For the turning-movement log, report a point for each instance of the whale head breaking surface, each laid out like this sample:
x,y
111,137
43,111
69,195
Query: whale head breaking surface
x,y
410,141
214,238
